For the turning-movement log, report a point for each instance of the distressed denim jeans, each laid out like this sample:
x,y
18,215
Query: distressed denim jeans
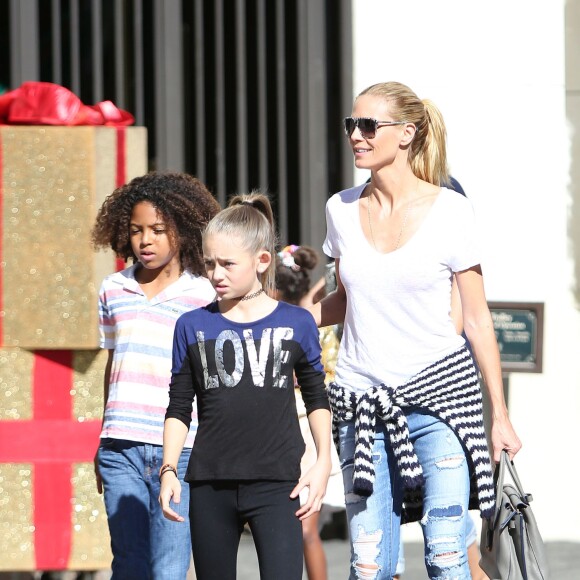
x,y
374,521
145,545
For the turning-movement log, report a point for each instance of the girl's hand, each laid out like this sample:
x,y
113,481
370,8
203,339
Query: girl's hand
x,y
503,437
170,491
316,479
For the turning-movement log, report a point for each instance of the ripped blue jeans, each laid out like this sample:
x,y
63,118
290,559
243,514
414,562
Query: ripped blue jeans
x,y
374,522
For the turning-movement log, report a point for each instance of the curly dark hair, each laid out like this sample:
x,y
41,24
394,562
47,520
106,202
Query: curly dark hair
x,y
184,202
293,283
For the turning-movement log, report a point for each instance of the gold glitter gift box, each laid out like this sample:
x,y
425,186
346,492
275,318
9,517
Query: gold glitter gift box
x,y
52,182
52,515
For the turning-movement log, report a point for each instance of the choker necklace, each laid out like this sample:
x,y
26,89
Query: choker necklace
x,y
250,296
409,205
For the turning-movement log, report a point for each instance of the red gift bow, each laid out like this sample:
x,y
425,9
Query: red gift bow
x,y
37,103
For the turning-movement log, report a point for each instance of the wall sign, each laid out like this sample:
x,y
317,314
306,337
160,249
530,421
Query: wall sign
x,y
519,329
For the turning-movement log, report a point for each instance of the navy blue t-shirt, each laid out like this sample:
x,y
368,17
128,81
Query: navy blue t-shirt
x,y
242,375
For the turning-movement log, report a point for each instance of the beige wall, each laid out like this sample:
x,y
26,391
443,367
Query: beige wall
x,y
506,75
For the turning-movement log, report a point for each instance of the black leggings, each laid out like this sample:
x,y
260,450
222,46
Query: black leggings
x,y
218,511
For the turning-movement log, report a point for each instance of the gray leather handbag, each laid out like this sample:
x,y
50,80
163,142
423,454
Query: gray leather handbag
x,y
511,545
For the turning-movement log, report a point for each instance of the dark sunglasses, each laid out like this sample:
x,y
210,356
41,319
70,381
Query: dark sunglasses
x,y
366,125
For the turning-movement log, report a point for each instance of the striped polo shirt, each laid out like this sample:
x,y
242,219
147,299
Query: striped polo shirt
x,y
140,331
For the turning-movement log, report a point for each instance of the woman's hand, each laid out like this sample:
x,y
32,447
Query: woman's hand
x,y
170,491
315,479
503,437
332,308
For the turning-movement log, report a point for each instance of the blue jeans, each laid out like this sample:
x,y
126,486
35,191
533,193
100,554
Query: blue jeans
x,y
145,545
374,522
470,538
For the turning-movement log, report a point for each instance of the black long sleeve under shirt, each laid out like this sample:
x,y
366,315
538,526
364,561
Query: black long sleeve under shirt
x,y
243,377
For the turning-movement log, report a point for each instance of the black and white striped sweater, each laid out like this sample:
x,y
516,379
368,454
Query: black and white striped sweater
x,y
448,389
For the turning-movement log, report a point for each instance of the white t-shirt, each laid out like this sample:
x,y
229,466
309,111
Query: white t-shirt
x,y
398,304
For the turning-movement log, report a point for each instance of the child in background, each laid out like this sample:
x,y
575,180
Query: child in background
x,y
238,357
156,221
293,285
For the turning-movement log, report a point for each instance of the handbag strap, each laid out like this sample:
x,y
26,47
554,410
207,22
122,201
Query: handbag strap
x,y
498,478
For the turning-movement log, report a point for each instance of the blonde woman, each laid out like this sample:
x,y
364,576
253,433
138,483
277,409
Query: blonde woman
x,y
406,402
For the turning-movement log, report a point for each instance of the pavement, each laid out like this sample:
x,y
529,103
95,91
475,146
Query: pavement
x,y
563,559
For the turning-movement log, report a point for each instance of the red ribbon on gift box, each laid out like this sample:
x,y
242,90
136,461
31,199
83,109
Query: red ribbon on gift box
x,y
52,440
38,103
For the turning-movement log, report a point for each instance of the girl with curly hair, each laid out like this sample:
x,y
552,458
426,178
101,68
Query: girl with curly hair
x,y
155,221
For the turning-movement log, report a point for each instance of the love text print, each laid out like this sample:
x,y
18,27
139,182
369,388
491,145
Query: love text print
x,y
229,345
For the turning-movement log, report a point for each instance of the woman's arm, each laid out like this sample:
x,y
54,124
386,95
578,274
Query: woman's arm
x,y
316,478
479,330
312,296
332,308
174,436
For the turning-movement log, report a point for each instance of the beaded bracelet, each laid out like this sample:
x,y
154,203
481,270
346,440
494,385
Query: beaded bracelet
x,y
165,468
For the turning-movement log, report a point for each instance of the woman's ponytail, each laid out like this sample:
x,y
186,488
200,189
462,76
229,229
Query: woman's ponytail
x,y
428,157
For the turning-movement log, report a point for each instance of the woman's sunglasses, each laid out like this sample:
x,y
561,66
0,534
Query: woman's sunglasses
x,y
366,125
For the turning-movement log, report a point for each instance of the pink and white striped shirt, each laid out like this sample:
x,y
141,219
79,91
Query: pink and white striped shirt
x,y
140,331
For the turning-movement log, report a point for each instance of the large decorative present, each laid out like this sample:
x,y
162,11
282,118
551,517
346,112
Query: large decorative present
x,y
52,182
50,419
53,179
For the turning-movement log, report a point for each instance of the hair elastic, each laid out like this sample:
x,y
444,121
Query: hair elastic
x,y
287,258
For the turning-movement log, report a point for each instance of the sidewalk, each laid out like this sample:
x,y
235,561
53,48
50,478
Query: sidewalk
x,y
563,558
